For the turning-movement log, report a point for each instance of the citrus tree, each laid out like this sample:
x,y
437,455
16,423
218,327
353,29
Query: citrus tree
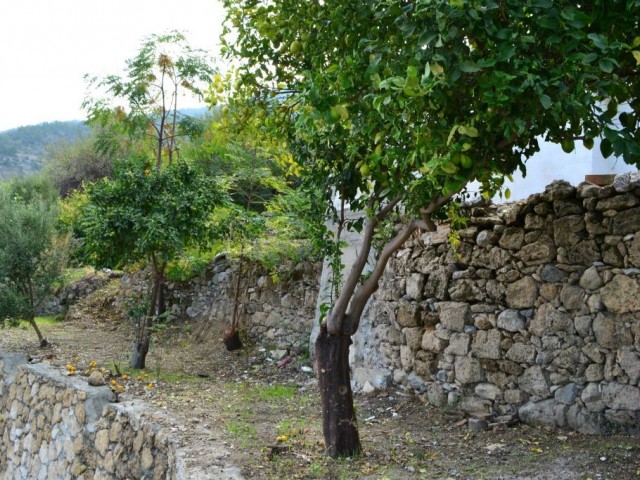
x,y
394,104
144,103
152,215
32,252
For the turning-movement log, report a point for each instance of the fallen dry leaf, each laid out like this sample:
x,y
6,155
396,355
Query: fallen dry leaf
x,y
492,447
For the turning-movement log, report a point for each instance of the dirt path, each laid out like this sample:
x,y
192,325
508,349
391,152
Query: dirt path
x,y
240,414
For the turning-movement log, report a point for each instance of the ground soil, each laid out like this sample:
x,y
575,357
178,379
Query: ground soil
x,y
261,414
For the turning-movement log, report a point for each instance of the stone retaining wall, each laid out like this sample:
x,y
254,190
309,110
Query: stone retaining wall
x,y
276,310
58,427
536,315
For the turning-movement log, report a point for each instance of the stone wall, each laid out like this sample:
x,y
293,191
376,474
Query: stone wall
x,y
276,310
536,315
55,427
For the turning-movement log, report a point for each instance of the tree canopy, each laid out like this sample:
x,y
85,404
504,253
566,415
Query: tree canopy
x,y
32,252
417,98
390,103
143,212
144,104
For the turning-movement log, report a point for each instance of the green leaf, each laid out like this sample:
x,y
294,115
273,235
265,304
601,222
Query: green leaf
x,y
636,55
545,101
436,69
606,65
449,168
407,28
470,67
550,23
598,40
606,148
452,133
468,131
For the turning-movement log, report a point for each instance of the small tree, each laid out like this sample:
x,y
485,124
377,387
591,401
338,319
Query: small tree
x,y
152,215
401,104
32,253
237,149
144,103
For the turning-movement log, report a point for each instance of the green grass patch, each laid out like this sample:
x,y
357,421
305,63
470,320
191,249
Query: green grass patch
x,y
71,275
244,431
42,321
276,392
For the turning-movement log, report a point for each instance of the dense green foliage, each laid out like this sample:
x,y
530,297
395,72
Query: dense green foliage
x,y
416,99
32,252
144,212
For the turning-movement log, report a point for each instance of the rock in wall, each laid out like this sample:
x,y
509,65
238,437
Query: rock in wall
x,y
536,314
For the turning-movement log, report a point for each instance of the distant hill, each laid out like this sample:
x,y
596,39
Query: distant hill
x,y
22,148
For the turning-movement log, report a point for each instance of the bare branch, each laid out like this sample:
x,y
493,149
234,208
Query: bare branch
x,y
367,289
342,303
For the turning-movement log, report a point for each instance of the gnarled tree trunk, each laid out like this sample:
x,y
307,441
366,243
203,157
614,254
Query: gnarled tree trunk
x,y
339,424
332,346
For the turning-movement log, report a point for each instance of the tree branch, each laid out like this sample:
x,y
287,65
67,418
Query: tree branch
x,y
336,318
364,292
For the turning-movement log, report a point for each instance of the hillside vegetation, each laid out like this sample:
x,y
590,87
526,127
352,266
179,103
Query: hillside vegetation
x,y
22,149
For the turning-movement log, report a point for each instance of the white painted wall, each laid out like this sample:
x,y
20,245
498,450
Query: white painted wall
x,y
551,163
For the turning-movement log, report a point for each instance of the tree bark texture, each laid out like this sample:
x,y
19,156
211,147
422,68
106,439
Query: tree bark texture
x,y
142,342
339,422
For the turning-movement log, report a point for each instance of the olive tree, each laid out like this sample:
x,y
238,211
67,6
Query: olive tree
x,y
32,252
394,104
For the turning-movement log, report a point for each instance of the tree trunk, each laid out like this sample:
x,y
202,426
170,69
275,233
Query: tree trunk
x,y
139,354
231,337
339,423
43,341
140,346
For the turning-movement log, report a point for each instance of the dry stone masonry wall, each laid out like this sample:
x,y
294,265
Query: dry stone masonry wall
x,y
276,309
58,427
536,315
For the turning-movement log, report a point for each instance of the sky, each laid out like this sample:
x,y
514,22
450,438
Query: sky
x,y
47,46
